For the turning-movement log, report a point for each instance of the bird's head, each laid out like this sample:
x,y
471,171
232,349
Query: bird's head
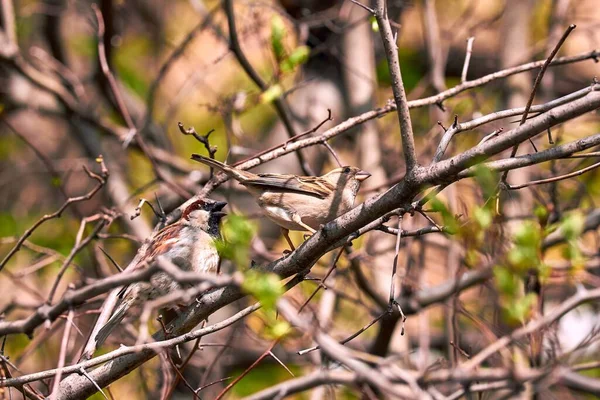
x,y
205,215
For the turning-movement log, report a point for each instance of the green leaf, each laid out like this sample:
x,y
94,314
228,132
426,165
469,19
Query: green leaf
x,y
487,180
528,234
450,223
506,281
237,234
520,309
278,32
483,216
541,213
265,287
279,329
572,225
523,258
271,94
374,24
299,56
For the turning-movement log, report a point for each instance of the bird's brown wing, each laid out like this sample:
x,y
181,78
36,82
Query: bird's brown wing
x,y
159,245
311,185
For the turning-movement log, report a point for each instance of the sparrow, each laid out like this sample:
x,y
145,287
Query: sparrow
x,y
299,203
189,243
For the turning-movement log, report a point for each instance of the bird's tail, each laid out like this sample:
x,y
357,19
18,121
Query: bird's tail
x,y
112,323
232,172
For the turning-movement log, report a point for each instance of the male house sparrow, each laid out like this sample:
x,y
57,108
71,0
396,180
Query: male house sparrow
x,y
299,203
188,243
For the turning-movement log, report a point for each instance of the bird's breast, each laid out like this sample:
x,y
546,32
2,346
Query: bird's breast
x,y
205,256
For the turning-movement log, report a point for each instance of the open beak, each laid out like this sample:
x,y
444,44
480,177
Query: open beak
x,y
217,207
362,175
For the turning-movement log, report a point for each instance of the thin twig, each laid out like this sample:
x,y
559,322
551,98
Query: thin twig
x,y
333,153
349,338
201,138
463,76
250,368
538,79
322,281
138,210
62,355
555,178
80,243
392,296
107,72
101,181
361,5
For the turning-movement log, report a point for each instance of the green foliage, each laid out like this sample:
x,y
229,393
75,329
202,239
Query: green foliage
x,y
298,57
525,253
572,226
278,32
237,234
271,94
542,214
507,282
487,180
516,307
449,220
374,24
520,309
287,61
483,216
265,287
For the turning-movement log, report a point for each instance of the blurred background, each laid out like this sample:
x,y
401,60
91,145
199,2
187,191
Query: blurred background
x,y
172,63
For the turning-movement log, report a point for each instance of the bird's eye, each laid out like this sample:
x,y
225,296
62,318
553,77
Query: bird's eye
x,y
346,170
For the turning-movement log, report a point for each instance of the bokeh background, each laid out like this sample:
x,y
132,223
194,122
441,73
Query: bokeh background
x,y
172,63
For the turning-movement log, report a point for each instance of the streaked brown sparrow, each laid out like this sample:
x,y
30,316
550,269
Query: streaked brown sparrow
x,y
299,203
188,243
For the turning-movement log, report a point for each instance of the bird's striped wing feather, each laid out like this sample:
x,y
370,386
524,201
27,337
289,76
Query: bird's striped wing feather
x,y
310,185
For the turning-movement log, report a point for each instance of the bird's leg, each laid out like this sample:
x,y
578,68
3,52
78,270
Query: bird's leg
x,y
286,235
296,218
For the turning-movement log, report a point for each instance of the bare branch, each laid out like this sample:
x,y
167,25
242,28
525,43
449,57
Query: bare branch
x,y
463,75
391,50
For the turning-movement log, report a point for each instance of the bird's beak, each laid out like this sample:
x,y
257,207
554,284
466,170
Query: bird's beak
x,y
217,207
362,175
